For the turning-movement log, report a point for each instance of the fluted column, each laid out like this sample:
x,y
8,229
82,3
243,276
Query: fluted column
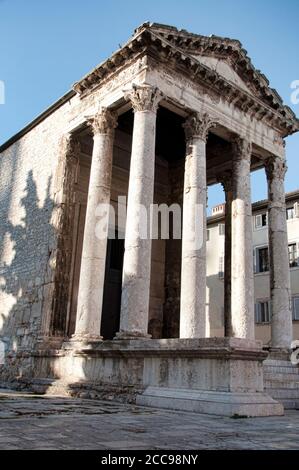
x,y
281,318
92,273
137,257
242,293
193,273
226,181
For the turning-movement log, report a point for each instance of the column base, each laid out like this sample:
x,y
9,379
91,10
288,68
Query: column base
x,y
50,342
86,338
128,335
233,404
280,354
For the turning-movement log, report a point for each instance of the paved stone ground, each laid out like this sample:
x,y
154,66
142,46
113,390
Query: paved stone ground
x,y
38,422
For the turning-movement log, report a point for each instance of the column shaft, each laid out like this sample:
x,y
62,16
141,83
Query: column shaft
x,y
92,272
226,181
281,318
242,295
193,271
137,257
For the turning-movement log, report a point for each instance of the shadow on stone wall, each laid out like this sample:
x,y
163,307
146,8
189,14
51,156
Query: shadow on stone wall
x,y
26,250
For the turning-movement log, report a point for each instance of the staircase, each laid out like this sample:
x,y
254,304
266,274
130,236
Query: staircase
x,y
281,382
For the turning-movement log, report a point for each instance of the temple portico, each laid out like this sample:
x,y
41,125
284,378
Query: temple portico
x,y
136,274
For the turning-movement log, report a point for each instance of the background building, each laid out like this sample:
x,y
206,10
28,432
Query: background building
x,y
215,266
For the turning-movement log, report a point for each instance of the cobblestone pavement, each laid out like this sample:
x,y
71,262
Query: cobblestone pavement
x,y
40,422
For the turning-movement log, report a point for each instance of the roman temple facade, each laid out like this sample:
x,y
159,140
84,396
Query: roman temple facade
x,y
89,299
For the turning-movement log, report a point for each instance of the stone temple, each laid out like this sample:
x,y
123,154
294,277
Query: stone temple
x,y
167,115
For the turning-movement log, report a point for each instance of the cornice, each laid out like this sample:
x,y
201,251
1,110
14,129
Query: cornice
x,y
282,119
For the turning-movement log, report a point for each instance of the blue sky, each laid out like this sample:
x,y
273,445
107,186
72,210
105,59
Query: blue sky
x,y
45,46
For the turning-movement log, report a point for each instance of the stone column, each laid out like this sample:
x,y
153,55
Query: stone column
x,y
92,273
226,181
281,319
137,257
193,272
242,293
56,295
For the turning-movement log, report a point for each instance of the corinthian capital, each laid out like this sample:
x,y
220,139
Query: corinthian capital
x,y
242,148
198,125
144,97
103,122
275,167
72,147
226,180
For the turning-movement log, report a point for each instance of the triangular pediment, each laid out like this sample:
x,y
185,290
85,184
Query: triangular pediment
x,y
224,69
224,56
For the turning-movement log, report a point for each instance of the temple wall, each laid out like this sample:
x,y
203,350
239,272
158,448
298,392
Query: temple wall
x,y
31,180
28,229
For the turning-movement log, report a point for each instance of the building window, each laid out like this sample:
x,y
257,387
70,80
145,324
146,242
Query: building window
x,y
221,267
221,229
262,259
262,312
293,255
261,220
295,308
290,213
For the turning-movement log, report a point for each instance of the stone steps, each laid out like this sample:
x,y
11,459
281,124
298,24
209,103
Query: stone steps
x,y
284,394
281,384
286,368
280,377
277,363
279,371
281,381
290,404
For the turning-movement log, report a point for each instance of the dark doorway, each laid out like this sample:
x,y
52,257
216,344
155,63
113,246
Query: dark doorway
x,y
112,288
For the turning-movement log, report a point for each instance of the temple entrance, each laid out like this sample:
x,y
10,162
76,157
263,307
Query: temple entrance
x,y
112,288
